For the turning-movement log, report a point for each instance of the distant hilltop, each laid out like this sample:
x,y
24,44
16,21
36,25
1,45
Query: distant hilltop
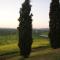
x,y
6,31
12,30
42,30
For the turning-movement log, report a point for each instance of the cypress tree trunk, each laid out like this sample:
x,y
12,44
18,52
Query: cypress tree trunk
x,y
25,29
53,24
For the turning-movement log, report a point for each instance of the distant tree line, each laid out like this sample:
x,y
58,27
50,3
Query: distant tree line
x,y
4,31
7,31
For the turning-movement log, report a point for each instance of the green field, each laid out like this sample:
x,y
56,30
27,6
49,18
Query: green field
x,y
43,51
13,45
9,42
12,48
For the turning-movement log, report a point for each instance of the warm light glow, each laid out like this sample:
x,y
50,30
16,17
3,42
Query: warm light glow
x,y
9,13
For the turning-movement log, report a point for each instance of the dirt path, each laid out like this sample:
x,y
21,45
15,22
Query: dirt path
x,y
37,54
55,55
5,57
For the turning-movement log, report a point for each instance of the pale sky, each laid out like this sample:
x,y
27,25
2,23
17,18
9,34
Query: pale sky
x,y
9,13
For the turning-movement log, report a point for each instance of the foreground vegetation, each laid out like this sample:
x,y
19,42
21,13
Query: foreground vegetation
x,y
9,43
43,51
13,47
46,54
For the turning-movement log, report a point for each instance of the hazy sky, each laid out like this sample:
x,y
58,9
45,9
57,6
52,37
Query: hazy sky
x,y
9,13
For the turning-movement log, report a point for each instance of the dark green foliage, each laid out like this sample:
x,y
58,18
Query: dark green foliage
x,y
58,27
25,29
7,31
54,24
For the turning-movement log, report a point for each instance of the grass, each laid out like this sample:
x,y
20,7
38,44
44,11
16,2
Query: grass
x,y
8,39
11,40
8,49
9,46
13,48
40,42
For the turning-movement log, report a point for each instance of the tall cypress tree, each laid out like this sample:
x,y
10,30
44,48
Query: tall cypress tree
x,y
58,27
25,29
54,7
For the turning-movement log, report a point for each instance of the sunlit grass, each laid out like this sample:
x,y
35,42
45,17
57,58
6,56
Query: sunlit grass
x,y
14,47
9,43
4,49
8,47
40,42
8,39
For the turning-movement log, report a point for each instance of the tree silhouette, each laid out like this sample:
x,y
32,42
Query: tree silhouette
x,y
58,27
25,29
54,24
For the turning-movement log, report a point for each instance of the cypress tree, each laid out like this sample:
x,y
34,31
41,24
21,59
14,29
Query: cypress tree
x,y
58,27
25,29
53,24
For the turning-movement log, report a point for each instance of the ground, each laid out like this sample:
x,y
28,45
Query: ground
x,y
38,54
